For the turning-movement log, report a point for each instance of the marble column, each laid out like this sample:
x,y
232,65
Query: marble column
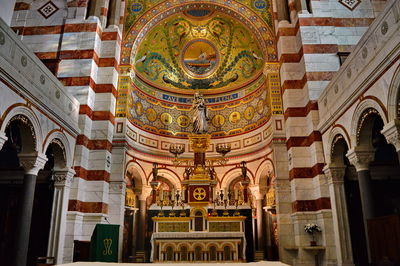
x,y
341,226
361,159
3,139
141,225
58,224
260,227
32,164
391,132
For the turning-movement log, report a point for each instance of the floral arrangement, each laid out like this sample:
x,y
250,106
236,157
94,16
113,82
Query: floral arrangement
x,y
312,228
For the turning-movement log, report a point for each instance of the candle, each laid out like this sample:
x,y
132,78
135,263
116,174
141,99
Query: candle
x,y
183,195
161,194
236,194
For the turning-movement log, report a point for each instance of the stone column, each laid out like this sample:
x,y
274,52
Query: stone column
x,y
117,209
260,227
31,163
341,227
361,160
62,185
3,139
391,132
146,190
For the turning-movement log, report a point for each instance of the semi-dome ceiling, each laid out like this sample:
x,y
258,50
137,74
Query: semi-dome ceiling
x,y
198,49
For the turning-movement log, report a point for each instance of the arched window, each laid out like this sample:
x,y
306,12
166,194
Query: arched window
x,y
170,253
213,253
184,253
197,253
227,253
198,221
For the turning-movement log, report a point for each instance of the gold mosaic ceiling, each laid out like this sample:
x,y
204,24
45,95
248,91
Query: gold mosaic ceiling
x,y
198,49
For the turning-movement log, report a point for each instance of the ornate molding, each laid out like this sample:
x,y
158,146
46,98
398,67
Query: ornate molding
x,y
63,177
360,158
391,132
32,163
335,174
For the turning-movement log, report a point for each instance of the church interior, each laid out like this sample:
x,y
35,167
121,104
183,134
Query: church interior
x,y
212,131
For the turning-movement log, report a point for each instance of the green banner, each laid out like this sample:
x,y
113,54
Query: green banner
x,y
104,243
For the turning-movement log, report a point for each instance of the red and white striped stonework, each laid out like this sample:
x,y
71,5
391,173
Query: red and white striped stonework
x,y
84,55
309,40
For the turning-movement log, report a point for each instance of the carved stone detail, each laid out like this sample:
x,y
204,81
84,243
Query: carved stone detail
x,y
360,158
335,174
391,132
63,177
33,162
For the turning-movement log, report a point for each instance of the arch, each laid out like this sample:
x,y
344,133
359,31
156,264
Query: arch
x,y
170,175
336,131
265,169
359,116
393,95
198,250
232,174
212,249
195,210
136,173
59,138
24,111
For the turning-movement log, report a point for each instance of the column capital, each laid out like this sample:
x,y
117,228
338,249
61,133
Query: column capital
x,y
63,177
146,191
391,131
335,174
32,162
3,139
255,191
360,158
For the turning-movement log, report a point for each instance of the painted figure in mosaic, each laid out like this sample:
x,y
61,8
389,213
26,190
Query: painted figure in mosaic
x,y
200,115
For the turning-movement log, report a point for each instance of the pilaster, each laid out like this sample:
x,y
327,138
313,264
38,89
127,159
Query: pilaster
x,y
62,185
335,175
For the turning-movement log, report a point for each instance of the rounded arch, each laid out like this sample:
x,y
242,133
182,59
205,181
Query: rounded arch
x,y
393,96
135,175
233,174
335,133
362,111
57,137
169,175
195,210
265,169
22,112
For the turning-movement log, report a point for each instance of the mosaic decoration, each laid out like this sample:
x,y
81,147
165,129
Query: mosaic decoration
x,y
142,15
350,4
173,119
198,54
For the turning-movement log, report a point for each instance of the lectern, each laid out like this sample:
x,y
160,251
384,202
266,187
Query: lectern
x,y
104,243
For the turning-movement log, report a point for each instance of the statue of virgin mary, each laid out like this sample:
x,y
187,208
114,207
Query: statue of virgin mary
x,y
200,115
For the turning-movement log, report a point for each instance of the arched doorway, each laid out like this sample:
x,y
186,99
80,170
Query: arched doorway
x,y
377,167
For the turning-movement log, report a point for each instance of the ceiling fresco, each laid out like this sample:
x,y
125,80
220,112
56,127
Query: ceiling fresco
x,y
203,52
